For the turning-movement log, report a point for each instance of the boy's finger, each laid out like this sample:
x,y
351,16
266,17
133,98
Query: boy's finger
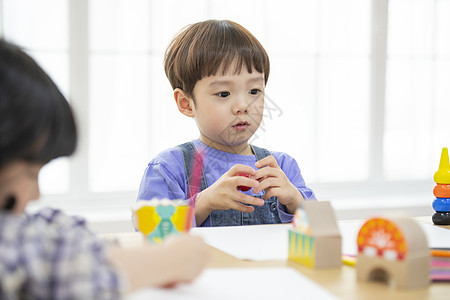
x,y
242,208
268,161
263,173
270,192
249,199
238,169
245,181
267,183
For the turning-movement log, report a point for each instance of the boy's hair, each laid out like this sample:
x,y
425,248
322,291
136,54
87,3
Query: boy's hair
x,y
36,121
206,48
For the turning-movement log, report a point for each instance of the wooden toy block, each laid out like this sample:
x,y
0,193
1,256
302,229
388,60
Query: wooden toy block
x,y
315,240
394,251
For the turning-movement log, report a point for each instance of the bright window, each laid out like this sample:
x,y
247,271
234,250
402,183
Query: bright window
x,y
357,94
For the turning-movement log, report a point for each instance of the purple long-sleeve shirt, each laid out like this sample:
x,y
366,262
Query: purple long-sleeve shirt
x,y
165,175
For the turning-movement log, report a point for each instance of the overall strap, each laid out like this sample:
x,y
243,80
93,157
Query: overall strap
x,y
260,153
188,150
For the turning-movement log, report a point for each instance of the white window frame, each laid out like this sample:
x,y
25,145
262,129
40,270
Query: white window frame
x,y
344,196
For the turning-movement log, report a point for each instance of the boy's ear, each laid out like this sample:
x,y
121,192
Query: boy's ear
x,y
184,103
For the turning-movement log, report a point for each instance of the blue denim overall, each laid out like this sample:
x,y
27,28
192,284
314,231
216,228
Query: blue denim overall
x,y
266,214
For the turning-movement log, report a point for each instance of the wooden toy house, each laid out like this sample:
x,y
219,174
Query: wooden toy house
x,y
315,240
394,251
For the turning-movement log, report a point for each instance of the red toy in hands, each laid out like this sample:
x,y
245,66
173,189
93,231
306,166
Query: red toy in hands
x,y
243,188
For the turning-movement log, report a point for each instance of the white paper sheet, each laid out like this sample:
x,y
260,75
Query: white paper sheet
x,y
349,232
241,283
256,242
270,242
437,237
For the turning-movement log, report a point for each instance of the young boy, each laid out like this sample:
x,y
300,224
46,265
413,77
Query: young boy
x,y
218,71
50,255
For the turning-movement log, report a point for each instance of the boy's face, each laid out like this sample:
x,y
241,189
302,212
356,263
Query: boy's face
x,y
19,180
229,108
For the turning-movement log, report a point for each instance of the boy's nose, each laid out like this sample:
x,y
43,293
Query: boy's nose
x,y
241,106
243,110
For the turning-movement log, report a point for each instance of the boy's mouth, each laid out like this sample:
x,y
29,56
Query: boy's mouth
x,y
241,125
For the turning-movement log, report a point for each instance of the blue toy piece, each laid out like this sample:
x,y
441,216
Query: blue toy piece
x,y
441,204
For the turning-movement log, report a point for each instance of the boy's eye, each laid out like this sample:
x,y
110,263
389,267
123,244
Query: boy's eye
x,y
223,94
255,91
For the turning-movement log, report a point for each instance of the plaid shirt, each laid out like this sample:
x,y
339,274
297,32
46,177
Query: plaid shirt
x,y
50,255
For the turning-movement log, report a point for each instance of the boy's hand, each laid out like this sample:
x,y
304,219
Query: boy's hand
x,y
224,193
275,183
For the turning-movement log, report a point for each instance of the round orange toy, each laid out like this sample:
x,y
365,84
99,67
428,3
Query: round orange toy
x,y
442,190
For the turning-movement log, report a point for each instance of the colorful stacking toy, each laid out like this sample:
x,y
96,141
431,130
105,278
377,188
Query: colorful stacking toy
x,y
442,191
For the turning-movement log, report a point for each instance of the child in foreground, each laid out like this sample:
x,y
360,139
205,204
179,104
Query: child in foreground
x,y
50,255
218,71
